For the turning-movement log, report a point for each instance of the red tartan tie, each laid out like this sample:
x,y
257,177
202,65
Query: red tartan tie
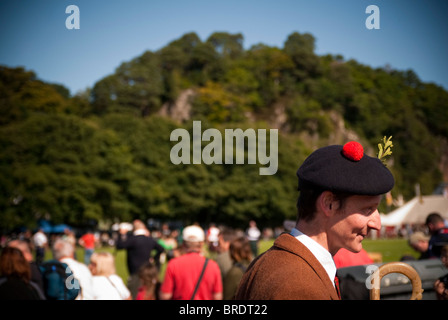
x,y
336,284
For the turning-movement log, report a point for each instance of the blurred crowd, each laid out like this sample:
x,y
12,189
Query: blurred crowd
x,y
162,263
165,263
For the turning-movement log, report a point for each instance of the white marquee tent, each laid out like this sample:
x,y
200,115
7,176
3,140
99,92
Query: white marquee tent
x,y
416,210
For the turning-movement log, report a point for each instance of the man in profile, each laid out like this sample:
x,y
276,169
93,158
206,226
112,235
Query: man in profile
x,y
340,190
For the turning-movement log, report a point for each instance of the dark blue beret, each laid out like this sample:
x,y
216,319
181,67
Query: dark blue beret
x,y
331,169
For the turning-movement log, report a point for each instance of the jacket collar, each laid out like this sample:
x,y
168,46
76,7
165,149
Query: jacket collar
x,y
325,258
289,243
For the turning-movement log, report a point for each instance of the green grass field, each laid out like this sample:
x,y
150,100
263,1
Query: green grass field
x,y
390,249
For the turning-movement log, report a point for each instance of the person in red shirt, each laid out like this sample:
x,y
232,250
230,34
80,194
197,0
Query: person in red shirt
x,y
345,258
87,241
183,279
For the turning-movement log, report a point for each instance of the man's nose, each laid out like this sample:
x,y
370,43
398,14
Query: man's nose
x,y
375,221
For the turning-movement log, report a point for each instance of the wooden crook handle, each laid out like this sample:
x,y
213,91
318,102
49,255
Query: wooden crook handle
x,y
396,267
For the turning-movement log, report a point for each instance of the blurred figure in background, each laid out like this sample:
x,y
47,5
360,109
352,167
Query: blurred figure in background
x,y
350,288
441,285
149,279
107,285
420,243
63,251
87,241
439,234
253,235
40,242
139,246
169,243
223,259
15,277
241,254
212,238
346,258
70,237
23,246
192,276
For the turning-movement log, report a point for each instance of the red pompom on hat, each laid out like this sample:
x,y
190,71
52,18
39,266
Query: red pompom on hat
x,y
353,151
345,169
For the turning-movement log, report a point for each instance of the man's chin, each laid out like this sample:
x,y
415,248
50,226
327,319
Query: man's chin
x,y
356,248
352,248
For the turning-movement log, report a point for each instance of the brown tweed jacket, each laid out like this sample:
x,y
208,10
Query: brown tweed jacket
x,y
287,271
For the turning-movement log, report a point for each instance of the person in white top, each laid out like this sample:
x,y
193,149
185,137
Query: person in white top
x,y
40,242
64,252
253,235
107,285
213,237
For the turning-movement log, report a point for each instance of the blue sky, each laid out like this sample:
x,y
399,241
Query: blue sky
x,y
412,35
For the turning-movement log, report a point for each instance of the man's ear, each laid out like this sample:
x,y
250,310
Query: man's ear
x,y
327,203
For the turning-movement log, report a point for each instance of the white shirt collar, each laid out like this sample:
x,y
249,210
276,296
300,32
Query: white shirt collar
x,y
140,232
322,255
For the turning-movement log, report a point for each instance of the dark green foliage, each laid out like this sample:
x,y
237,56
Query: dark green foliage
x,y
104,154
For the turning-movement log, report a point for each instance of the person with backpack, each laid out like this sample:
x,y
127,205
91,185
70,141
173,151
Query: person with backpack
x,y
63,251
58,280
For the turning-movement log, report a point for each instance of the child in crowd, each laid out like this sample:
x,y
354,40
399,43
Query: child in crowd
x,y
148,290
